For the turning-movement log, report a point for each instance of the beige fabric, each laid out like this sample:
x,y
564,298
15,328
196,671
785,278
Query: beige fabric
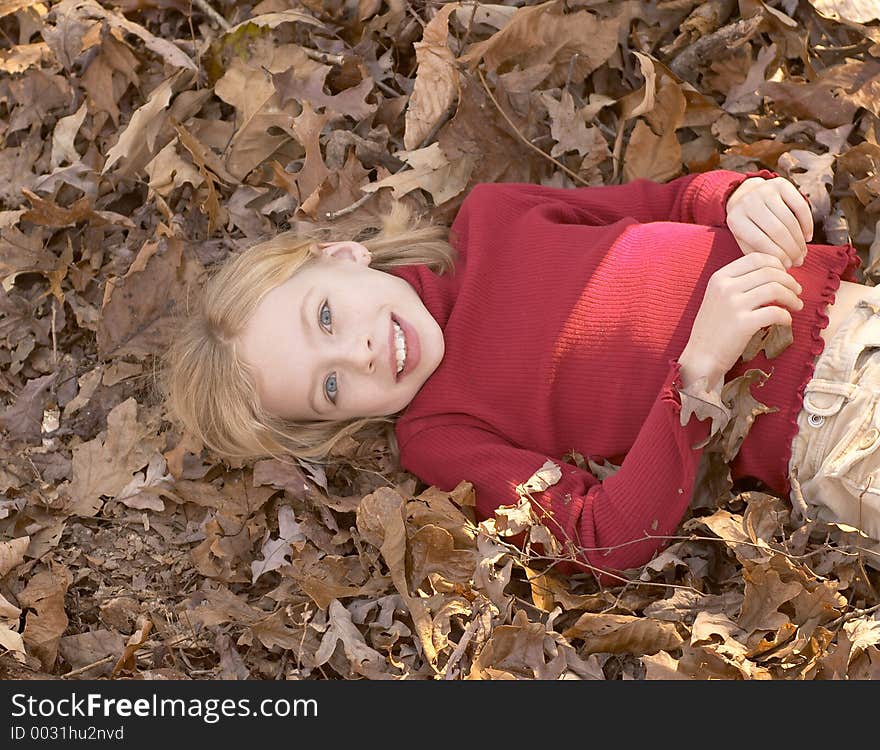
x,y
836,452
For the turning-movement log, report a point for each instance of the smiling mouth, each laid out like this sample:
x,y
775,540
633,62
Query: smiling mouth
x,y
398,351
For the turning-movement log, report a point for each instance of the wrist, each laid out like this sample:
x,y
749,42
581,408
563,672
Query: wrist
x,y
744,187
696,368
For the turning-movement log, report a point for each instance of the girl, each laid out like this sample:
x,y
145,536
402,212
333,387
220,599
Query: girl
x,y
552,320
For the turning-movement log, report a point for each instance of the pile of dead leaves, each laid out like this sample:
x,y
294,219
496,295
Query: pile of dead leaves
x,y
144,141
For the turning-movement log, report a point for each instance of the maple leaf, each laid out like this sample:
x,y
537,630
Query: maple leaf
x,y
275,551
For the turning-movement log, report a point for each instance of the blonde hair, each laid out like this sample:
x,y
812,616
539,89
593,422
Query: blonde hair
x,y
212,393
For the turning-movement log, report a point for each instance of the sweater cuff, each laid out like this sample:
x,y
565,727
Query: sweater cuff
x,y
701,413
710,204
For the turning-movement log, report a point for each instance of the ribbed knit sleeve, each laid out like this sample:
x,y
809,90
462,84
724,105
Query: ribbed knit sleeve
x,y
699,198
611,522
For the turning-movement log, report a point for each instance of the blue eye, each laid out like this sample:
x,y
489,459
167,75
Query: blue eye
x,y
330,388
321,318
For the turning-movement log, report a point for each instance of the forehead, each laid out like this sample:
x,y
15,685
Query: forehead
x,y
267,338
273,342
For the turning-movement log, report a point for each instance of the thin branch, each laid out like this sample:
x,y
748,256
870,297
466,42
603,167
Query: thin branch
x,y
447,115
714,46
212,14
324,57
462,644
525,140
107,659
852,615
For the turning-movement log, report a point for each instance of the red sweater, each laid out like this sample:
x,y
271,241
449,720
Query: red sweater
x,y
563,322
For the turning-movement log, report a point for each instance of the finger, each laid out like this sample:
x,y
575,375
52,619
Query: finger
x,y
772,293
768,316
747,232
766,275
750,262
782,212
777,232
800,207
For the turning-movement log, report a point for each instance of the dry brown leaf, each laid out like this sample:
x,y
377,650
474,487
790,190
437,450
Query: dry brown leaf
x,y
859,11
8,611
24,419
363,659
137,310
307,85
737,394
249,88
12,641
608,633
171,53
137,142
7,7
514,651
765,593
127,662
105,466
703,402
432,551
44,594
431,171
654,151
271,20
662,666
275,551
82,649
167,171
437,80
719,635
380,518
12,553
574,43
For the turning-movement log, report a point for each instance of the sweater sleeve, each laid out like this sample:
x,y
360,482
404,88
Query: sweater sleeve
x,y
699,198
611,522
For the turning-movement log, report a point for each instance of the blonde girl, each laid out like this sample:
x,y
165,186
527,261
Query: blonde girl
x,y
544,321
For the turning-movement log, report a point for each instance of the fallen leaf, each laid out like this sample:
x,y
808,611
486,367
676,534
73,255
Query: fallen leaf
x,y
44,594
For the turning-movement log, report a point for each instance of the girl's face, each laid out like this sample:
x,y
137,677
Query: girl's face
x,y
324,346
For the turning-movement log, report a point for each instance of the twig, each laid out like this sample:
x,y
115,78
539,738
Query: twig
x,y
714,45
324,57
386,88
107,659
415,15
212,14
54,339
447,115
525,140
458,652
552,562
852,615
861,560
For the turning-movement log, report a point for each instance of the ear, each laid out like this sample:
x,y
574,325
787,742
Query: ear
x,y
348,250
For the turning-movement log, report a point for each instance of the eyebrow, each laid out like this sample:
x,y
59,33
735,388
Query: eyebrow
x,y
304,315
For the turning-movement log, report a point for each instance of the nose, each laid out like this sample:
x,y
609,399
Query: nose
x,y
361,353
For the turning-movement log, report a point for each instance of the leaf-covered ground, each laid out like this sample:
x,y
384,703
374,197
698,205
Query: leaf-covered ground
x,y
144,141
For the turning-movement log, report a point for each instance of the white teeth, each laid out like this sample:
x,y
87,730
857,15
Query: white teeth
x,y
400,346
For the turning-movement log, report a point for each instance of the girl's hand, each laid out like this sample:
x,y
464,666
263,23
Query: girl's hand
x,y
741,298
771,216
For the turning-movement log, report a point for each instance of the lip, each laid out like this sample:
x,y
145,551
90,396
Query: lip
x,y
413,348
